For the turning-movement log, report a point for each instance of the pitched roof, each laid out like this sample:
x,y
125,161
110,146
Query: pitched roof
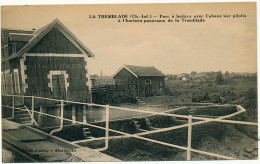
x,y
40,33
183,75
142,71
5,33
20,37
200,76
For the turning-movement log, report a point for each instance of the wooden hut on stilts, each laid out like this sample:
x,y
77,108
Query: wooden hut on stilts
x,y
50,62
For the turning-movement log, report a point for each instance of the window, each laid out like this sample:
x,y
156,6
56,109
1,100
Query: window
x,y
58,72
14,47
16,82
161,84
148,81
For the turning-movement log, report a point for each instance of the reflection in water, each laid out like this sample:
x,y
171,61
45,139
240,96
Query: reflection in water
x,y
96,114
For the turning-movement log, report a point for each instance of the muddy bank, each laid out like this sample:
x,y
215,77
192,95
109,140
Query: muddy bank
x,y
233,143
213,137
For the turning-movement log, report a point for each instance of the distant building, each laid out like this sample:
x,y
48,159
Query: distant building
x,y
171,77
184,76
93,79
101,80
141,81
200,79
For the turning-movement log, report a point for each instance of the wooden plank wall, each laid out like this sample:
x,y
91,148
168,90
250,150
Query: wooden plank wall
x,y
124,77
55,42
39,67
156,86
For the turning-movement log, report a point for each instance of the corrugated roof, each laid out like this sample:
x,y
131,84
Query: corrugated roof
x,y
144,71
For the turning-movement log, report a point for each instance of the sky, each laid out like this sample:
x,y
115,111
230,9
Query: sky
x,y
218,44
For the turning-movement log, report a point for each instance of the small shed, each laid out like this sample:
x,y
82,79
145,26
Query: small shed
x,y
140,80
49,62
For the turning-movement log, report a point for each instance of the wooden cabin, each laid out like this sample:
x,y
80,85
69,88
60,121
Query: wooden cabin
x,y
140,80
49,62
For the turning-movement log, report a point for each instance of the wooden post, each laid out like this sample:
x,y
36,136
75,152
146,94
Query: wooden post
x,y
91,112
13,106
107,126
58,114
189,137
32,109
61,114
84,114
73,114
138,87
40,117
106,130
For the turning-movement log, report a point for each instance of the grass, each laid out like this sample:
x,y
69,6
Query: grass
x,y
240,90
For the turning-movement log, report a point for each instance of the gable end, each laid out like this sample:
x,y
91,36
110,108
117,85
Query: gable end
x,y
55,42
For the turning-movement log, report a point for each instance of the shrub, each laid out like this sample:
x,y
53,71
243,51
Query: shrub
x,y
168,91
215,99
200,96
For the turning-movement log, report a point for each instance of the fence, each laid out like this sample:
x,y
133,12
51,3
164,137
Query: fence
x,y
190,119
107,88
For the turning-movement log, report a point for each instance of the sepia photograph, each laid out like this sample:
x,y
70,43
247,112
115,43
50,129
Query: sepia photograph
x,y
129,82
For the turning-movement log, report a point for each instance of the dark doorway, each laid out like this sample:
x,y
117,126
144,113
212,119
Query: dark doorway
x,y
148,87
59,88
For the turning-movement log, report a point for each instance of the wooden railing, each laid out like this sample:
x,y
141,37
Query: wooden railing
x,y
190,123
106,88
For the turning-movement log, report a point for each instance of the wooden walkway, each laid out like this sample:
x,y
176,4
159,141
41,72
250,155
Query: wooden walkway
x,y
9,125
41,147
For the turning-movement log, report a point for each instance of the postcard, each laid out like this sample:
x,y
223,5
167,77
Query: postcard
x,y
129,82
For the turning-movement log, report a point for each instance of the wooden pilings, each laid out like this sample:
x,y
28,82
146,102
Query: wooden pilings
x,y
57,113
72,111
84,113
73,115
41,117
32,120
